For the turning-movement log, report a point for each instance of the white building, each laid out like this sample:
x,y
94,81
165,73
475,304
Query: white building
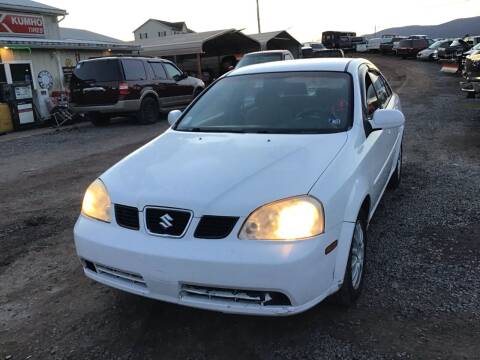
x,y
154,29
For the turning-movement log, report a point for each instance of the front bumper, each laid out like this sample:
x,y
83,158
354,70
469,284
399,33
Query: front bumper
x,y
161,268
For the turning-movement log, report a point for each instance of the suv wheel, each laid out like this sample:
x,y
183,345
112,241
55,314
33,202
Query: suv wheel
x,y
99,119
149,111
354,273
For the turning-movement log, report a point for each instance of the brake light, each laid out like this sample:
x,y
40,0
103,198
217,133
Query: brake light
x,y
123,88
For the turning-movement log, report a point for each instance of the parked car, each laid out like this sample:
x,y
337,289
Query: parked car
x,y
471,73
390,45
413,37
259,57
431,53
473,51
411,47
105,87
453,50
258,198
472,40
374,44
318,50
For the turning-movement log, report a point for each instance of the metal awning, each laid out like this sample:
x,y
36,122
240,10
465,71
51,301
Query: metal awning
x,y
277,40
212,43
64,44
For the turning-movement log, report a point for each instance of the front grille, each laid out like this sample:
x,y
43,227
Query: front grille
x,y
116,274
255,297
215,227
127,216
167,222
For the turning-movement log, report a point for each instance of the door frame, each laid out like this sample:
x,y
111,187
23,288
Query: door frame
x,y
8,72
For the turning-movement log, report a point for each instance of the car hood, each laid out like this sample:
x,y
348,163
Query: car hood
x,y
221,173
426,51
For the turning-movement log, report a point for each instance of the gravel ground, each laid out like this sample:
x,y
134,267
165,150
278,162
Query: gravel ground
x,y
421,296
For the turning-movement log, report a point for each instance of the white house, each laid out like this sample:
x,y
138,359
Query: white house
x,y
154,29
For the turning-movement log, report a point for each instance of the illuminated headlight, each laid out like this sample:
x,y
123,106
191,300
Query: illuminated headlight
x,y
96,202
289,219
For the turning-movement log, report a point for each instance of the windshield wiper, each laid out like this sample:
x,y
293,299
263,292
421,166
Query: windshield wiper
x,y
213,130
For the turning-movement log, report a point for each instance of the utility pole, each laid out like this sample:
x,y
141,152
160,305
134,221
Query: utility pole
x,y
258,18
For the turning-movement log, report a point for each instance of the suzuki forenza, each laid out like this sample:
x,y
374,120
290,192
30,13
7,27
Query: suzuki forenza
x,y
257,199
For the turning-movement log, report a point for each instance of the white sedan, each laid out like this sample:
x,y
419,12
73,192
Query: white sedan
x,y
257,199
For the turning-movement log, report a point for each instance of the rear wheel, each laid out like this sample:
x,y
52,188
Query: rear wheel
x,y
397,174
149,111
353,279
99,119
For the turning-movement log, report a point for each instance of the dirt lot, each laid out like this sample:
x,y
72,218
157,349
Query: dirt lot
x,y
421,297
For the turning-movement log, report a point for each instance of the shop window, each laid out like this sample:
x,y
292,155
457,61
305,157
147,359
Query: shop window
x,y
21,72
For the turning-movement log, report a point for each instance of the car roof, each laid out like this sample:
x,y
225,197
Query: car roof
x,y
126,57
268,52
316,64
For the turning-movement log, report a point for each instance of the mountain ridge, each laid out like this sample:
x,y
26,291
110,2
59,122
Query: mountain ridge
x,y
450,29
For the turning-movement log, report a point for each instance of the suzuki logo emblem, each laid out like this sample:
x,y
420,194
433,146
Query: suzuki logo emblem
x,y
166,221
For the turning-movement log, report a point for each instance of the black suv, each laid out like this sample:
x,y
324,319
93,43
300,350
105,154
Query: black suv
x,y
105,87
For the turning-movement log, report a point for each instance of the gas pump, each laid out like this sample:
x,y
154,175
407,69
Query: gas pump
x,y
20,100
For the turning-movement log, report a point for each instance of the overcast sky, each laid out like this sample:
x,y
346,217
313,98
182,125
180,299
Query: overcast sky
x,y
305,19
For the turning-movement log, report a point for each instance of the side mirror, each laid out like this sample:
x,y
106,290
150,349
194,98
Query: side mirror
x,y
180,77
387,119
173,116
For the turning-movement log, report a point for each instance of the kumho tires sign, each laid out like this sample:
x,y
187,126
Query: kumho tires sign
x,y
21,24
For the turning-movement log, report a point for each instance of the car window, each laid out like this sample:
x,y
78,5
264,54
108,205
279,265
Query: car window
x,y
98,70
171,70
287,102
259,58
380,89
288,57
158,70
372,102
134,69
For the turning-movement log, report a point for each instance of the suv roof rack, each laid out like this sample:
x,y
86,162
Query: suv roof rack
x,y
124,55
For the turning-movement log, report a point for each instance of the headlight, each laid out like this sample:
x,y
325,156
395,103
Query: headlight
x,y
290,219
96,202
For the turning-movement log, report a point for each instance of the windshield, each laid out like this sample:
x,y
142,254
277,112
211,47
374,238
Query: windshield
x,y
259,58
288,102
437,44
476,47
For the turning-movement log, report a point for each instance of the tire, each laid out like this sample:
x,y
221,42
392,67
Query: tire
x,y
149,111
470,95
99,119
397,174
354,273
430,58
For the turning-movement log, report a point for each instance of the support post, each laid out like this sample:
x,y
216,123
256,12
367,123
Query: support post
x,y
199,65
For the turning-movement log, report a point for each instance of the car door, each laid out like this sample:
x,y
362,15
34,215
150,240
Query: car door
x,y
163,86
379,144
181,88
135,76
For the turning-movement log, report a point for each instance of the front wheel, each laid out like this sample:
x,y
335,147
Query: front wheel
x,y
397,174
353,279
